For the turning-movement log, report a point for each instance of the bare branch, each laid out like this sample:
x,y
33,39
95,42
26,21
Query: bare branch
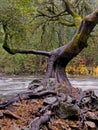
x,y
14,51
58,18
65,22
52,16
33,52
71,10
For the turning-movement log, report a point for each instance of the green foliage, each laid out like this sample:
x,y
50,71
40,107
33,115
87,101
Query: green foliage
x,y
16,64
28,30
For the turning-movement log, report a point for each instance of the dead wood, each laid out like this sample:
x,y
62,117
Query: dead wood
x,y
24,96
10,114
58,105
35,125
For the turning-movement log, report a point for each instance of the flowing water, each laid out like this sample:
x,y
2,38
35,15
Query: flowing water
x,y
12,85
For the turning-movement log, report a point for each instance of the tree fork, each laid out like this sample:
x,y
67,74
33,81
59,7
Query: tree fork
x,y
60,57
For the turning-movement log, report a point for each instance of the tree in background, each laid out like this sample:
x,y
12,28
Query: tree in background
x,y
28,30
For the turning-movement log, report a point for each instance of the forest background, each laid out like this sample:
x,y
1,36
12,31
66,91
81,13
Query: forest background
x,y
28,30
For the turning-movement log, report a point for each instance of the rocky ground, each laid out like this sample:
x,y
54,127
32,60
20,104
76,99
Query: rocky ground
x,y
47,110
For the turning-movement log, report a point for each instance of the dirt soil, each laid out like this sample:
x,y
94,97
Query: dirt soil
x,y
19,116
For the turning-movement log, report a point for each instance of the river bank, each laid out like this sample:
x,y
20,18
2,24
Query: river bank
x,y
13,84
37,113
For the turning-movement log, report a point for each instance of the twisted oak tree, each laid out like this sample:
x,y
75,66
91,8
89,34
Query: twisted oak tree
x,y
58,60
60,57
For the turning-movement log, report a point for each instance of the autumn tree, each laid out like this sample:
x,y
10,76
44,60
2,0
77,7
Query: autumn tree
x,y
63,12
58,98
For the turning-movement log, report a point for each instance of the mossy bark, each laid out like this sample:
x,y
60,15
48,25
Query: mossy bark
x,y
60,57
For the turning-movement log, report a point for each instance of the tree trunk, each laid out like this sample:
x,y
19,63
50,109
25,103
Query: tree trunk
x,y
70,105
60,57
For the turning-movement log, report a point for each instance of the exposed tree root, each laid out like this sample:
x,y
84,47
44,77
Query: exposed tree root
x,y
59,99
82,108
35,125
24,96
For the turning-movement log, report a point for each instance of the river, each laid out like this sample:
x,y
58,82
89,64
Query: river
x,y
11,85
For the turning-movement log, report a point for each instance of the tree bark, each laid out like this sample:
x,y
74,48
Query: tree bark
x,y
63,55
60,57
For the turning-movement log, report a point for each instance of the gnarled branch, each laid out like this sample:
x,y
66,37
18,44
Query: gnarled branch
x,y
14,51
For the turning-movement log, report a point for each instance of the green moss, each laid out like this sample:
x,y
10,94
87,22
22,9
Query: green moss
x,y
77,20
64,22
76,39
80,40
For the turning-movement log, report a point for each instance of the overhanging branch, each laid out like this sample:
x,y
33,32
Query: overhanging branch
x,y
14,51
58,18
52,16
65,22
71,10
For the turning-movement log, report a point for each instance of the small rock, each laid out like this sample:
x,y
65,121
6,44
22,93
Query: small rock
x,y
17,104
34,101
40,88
91,125
66,110
69,99
86,100
50,100
1,115
50,83
34,84
36,80
91,115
